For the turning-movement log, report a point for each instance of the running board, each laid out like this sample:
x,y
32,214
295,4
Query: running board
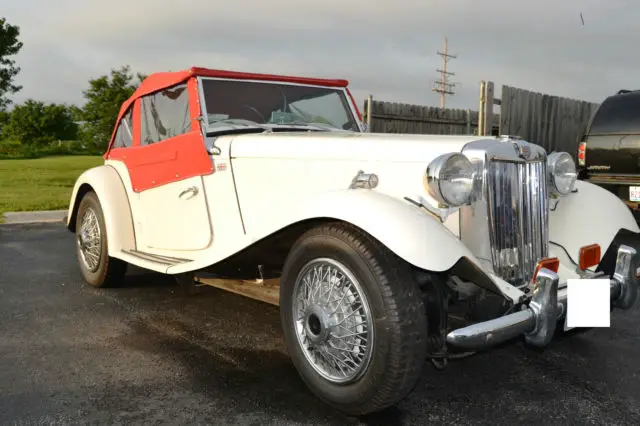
x,y
267,291
167,260
154,262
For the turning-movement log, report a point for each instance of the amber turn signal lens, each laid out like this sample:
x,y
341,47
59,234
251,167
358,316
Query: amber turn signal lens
x,y
551,263
589,256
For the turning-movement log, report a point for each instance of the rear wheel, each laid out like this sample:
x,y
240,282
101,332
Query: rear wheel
x,y
97,267
353,319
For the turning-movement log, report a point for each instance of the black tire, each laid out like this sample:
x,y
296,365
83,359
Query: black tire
x,y
399,319
109,272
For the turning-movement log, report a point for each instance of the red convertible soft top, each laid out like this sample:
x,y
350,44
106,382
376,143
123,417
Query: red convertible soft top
x,y
162,80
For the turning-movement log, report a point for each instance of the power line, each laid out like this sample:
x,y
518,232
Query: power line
x,y
442,86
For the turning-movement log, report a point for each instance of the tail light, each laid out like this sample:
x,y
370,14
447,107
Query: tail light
x,y
582,153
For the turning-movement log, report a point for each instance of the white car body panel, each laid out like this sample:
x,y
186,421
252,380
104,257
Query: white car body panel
x,y
168,221
592,215
219,237
110,190
165,223
328,162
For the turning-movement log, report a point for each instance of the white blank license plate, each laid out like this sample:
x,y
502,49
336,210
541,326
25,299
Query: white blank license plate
x,y
588,303
634,193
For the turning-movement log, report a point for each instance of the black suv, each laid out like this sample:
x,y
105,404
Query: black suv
x,y
609,152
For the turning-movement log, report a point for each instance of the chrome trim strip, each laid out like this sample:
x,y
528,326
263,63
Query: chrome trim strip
x,y
518,218
625,274
544,308
507,220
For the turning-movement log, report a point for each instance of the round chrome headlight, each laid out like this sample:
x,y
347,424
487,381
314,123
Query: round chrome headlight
x,y
562,172
449,179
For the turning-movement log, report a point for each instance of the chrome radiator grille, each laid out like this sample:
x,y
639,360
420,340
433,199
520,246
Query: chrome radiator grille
x,y
518,218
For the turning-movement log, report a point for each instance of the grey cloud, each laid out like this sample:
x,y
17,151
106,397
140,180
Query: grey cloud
x,y
384,48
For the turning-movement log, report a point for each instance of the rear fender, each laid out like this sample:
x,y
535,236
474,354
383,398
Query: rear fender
x,y
592,215
407,230
106,183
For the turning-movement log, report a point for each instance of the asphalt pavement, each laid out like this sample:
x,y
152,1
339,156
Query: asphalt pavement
x,y
147,354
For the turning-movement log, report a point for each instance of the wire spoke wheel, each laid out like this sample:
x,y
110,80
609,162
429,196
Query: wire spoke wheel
x,y
332,320
89,240
98,268
353,319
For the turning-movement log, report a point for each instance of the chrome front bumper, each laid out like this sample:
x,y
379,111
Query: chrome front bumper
x,y
538,322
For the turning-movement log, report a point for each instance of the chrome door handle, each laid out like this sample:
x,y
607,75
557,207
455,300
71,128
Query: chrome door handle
x,y
192,189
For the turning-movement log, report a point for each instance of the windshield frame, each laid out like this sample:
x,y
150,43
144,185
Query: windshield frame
x,y
343,91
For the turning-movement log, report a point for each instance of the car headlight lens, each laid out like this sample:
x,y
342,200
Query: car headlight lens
x,y
562,172
449,179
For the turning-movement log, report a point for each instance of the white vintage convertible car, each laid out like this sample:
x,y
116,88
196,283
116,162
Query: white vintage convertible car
x,y
382,250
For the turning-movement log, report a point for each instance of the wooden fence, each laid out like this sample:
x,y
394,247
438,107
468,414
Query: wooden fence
x,y
391,117
554,122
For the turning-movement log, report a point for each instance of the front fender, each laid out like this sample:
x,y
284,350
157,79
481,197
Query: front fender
x,y
412,234
106,183
592,215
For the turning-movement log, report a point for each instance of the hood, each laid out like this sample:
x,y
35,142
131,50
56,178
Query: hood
x,y
329,161
387,147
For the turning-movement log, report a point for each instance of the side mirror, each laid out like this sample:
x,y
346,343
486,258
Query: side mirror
x,y
213,150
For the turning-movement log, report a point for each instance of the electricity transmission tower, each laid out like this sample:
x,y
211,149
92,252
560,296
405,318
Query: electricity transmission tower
x,y
442,86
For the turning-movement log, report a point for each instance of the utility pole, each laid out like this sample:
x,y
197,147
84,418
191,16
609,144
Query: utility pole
x,y
442,86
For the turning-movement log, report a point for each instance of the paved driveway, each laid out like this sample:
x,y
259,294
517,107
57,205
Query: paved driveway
x,y
145,353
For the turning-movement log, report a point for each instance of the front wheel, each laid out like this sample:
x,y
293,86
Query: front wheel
x,y
97,267
353,318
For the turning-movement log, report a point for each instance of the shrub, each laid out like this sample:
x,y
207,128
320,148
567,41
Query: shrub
x,y
11,149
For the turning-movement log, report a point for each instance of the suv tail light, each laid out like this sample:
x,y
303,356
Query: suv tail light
x,y
582,153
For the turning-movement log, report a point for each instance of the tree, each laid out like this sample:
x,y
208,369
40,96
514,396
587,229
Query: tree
x,y
35,124
4,119
9,46
76,113
105,96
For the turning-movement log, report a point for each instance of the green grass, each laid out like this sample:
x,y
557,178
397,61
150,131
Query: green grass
x,y
41,184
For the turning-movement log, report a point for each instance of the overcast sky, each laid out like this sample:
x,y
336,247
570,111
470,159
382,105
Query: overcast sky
x,y
386,48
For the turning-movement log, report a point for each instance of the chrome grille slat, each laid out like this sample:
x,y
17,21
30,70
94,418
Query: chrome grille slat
x,y
518,217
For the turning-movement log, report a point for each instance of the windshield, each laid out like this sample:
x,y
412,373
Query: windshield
x,y
265,103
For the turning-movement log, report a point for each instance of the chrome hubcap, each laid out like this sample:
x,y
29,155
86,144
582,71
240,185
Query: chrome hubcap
x,y
88,239
332,320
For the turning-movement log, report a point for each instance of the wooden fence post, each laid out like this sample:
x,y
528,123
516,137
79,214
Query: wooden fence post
x,y
369,112
488,109
481,108
485,111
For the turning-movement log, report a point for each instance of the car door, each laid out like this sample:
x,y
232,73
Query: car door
x,y
168,201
